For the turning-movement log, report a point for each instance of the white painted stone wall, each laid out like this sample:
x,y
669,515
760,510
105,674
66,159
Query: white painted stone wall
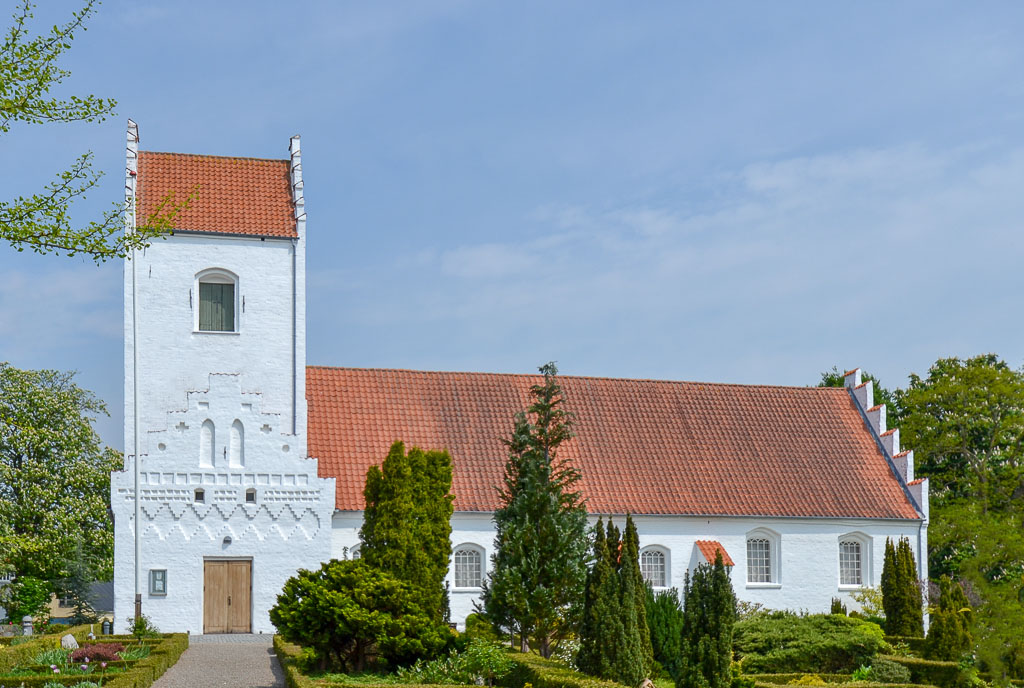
x,y
285,529
254,379
808,549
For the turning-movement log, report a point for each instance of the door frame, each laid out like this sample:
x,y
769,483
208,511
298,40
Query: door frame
x,y
202,590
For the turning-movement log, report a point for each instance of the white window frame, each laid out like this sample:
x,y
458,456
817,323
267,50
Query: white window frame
x,y
355,552
216,276
665,560
479,551
774,557
866,548
155,574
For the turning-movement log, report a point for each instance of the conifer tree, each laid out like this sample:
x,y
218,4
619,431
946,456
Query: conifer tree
x,y
601,626
538,571
708,616
407,523
949,635
665,621
634,592
901,593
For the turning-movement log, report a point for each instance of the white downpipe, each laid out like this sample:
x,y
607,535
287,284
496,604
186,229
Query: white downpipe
x,y
130,226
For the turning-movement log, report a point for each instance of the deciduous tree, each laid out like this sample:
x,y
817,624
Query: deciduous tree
x,y
538,570
41,222
54,477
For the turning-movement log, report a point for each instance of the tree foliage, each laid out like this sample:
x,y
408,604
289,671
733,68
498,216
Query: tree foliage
x,y
538,571
407,522
54,477
355,617
29,70
615,642
901,591
709,612
949,633
665,622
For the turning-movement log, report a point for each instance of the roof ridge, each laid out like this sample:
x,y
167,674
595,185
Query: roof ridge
x,y
218,157
575,377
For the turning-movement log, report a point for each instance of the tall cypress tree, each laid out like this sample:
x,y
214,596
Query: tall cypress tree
x,y
601,626
901,592
407,522
634,592
708,616
538,571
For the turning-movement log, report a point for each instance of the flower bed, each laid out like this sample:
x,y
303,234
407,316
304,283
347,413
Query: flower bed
x,y
143,663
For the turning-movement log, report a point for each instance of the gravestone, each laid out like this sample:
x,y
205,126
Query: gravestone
x,y
68,642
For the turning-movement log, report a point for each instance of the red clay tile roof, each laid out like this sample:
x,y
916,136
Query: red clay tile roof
x,y
917,482
710,549
235,195
642,446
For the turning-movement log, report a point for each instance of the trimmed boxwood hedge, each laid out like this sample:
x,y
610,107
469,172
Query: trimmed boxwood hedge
x,y
943,674
857,684
23,653
287,653
916,645
782,679
545,673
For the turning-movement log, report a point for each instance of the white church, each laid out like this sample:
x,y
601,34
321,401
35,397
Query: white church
x,y
243,464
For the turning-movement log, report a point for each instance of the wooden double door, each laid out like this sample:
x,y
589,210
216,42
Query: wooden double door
x,y
227,597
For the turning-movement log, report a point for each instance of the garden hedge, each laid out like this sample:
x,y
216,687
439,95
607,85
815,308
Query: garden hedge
x,y
287,653
855,684
943,674
782,679
545,673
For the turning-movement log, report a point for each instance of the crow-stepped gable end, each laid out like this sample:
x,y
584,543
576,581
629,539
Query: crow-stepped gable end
x,y
250,465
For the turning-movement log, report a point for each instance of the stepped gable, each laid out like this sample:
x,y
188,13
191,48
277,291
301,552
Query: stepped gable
x,y
642,446
247,196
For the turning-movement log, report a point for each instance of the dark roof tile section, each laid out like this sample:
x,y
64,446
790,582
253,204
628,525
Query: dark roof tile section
x,y
642,446
235,195
711,548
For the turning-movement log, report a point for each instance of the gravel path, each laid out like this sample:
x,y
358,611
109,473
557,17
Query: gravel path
x,y
226,661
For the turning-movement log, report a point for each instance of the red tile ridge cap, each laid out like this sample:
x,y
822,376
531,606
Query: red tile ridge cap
x,y
709,548
917,482
862,384
850,372
902,453
217,157
875,407
888,432
829,390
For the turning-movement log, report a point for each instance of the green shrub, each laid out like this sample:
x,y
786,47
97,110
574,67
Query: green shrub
x,y
949,635
533,670
838,607
665,621
808,680
479,628
782,642
354,616
945,674
863,673
888,671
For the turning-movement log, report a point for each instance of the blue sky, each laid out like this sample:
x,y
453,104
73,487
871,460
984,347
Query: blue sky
x,y
739,192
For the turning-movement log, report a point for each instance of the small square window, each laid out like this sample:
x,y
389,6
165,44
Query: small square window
x,y
158,581
250,496
200,495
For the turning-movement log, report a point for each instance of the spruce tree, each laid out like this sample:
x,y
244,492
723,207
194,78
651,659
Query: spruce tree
x,y
538,570
407,522
634,593
949,635
888,583
709,613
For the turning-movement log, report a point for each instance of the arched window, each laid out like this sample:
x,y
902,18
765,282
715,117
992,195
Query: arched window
x,y
762,556
469,566
207,435
854,559
653,567
236,454
355,552
218,295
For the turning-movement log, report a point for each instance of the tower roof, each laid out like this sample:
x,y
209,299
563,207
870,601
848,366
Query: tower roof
x,y
248,196
642,446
